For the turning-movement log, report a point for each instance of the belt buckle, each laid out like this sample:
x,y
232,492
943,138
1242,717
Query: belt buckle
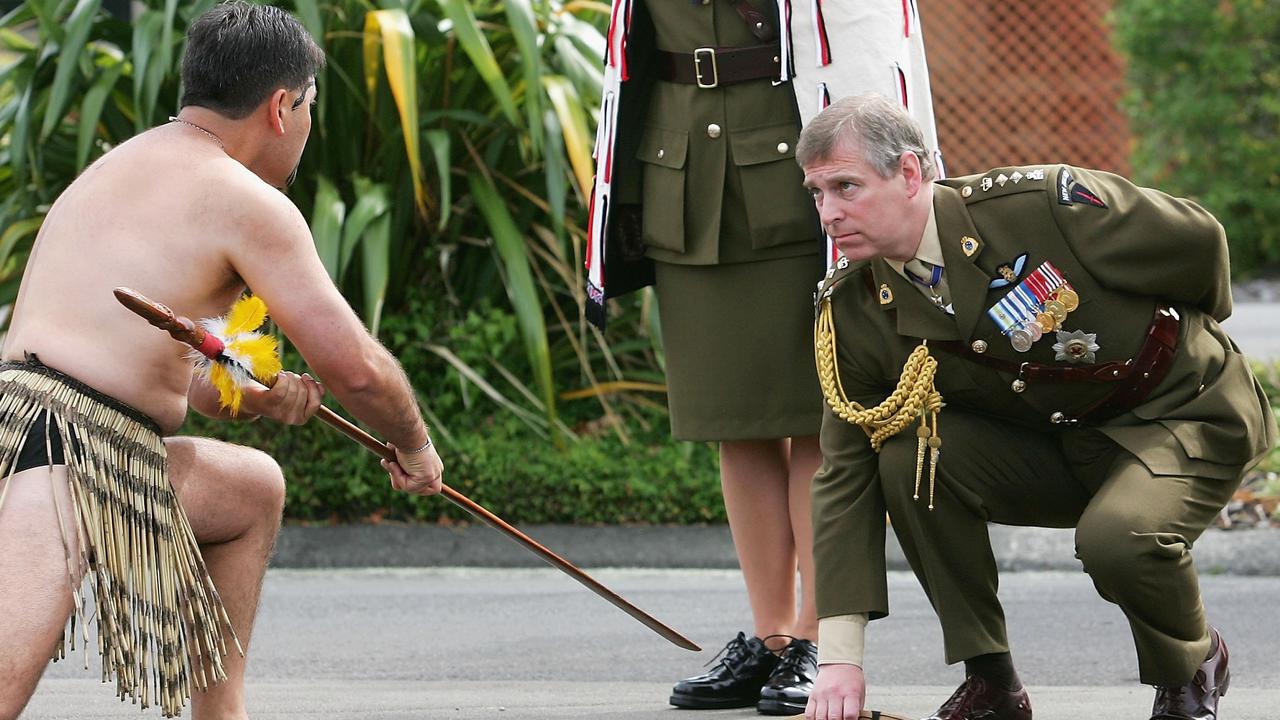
x,y
698,55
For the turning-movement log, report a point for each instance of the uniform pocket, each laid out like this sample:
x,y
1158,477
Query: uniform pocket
x,y
778,209
663,153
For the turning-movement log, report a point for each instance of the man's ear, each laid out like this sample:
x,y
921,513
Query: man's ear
x,y
909,164
277,107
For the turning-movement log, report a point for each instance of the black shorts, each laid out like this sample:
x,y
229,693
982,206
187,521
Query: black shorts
x,y
34,453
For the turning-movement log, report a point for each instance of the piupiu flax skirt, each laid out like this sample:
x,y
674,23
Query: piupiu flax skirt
x,y
162,628
738,339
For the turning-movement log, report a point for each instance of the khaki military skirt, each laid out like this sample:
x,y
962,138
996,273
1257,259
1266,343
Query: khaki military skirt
x,y
739,348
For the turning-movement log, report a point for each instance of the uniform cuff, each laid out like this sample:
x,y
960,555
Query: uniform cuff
x,y
842,639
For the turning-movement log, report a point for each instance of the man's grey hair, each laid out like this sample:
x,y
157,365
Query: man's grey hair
x,y
880,127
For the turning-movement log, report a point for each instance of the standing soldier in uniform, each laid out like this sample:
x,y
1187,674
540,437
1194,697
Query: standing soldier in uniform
x,y
1031,346
698,193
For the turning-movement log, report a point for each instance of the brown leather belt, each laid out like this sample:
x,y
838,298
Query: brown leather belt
x,y
1145,370
712,67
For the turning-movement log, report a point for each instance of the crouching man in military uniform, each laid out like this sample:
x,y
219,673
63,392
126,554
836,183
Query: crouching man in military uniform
x,y
1031,346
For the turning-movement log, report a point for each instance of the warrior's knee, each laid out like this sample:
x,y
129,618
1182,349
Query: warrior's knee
x,y
265,485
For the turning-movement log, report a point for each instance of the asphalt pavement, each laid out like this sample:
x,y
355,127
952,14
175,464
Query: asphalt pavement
x,y
1254,327
532,644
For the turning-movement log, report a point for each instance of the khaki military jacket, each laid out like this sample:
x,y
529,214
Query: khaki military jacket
x,y
710,163
1123,249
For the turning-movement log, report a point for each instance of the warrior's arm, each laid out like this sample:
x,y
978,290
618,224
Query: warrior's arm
x,y
292,400
278,261
203,398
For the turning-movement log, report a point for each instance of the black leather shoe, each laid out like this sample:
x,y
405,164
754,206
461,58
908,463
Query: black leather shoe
x,y
745,664
787,691
1198,699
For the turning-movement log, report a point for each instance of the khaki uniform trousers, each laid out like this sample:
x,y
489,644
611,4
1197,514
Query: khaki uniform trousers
x,y
1134,531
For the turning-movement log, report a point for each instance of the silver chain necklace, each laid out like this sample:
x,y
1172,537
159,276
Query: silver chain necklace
x,y
173,118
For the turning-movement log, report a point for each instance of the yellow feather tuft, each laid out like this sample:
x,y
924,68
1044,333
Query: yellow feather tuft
x,y
229,394
259,353
246,315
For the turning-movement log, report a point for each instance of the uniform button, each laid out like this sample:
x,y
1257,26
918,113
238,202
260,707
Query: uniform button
x,y
783,148
713,130
966,191
661,153
706,2
979,346
1058,418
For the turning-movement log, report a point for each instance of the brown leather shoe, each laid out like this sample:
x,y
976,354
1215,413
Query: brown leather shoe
x,y
976,699
1198,699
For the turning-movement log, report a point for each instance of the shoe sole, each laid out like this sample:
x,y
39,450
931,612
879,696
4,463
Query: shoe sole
x,y
780,707
697,702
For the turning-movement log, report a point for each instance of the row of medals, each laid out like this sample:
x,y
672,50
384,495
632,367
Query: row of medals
x,y
1054,311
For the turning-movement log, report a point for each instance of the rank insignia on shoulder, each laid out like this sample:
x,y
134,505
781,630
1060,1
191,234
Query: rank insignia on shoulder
x,y
886,295
1071,192
1037,174
987,184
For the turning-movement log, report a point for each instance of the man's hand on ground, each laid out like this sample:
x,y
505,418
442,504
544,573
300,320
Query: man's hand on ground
x,y
418,473
838,693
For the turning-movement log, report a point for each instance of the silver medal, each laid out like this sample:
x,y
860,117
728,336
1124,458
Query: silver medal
x,y
1021,340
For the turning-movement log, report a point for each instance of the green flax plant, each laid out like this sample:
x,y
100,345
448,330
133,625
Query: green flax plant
x,y
73,82
450,160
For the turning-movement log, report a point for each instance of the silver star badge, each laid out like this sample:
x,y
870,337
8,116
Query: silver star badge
x,y
1076,346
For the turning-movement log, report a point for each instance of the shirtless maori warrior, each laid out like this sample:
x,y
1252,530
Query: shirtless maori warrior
x,y
173,533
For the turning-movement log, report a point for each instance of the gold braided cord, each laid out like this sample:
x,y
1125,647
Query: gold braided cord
x,y
910,400
162,629
914,398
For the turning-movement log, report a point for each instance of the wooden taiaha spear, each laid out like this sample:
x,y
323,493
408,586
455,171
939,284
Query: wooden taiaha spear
x,y
190,333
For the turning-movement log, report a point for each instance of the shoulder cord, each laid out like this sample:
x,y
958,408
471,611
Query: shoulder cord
x,y
914,397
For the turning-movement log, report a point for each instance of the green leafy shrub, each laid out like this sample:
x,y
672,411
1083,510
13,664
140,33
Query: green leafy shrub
x,y
500,462
445,185
1268,375
1204,107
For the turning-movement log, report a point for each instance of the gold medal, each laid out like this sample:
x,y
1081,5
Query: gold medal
x,y
1046,321
1069,299
1056,309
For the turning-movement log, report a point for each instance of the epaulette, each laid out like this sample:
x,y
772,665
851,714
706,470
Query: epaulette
x,y
1001,182
836,274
